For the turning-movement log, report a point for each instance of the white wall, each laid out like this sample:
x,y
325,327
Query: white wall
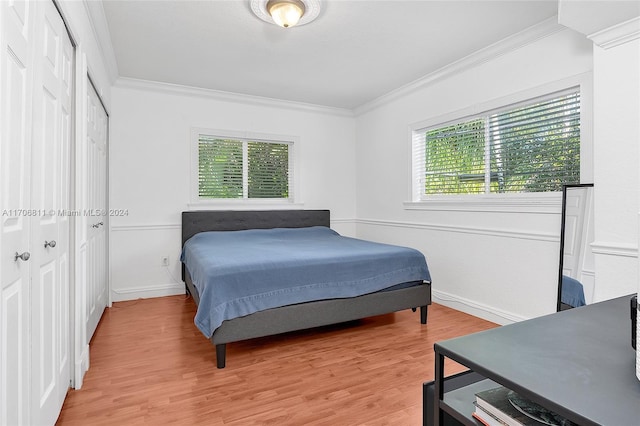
x,y
617,132
150,170
499,265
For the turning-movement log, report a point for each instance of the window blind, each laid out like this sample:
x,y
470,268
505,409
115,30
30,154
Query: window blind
x,y
220,168
536,148
268,170
235,168
454,158
531,147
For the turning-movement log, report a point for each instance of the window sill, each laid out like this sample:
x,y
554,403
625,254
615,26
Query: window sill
x,y
244,204
538,203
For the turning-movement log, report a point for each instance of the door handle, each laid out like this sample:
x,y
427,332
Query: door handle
x,y
51,244
24,256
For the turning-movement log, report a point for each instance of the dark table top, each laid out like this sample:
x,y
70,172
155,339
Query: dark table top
x,y
578,363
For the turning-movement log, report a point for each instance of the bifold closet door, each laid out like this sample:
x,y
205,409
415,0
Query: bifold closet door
x,y
96,225
35,120
16,74
50,230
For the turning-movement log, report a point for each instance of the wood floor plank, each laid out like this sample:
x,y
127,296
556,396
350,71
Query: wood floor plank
x,y
150,365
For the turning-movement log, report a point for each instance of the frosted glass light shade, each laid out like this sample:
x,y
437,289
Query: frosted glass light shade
x,y
286,13
303,11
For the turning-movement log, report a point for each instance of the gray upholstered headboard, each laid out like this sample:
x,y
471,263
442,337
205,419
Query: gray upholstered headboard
x,y
236,220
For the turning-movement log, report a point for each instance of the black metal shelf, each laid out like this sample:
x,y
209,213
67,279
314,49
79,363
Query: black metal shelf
x,y
577,363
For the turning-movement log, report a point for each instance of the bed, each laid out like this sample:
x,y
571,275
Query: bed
x,y
206,238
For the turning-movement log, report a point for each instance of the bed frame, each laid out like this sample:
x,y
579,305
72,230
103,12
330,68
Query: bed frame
x,y
299,316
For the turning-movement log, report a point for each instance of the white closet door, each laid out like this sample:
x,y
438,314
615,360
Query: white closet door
x,y
50,326
16,67
97,291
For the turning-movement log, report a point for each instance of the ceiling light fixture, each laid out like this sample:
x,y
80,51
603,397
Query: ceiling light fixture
x,y
286,13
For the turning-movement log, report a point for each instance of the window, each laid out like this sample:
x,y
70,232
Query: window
x,y
533,146
243,168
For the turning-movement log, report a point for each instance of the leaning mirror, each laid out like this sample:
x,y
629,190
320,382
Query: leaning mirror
x,y
576,276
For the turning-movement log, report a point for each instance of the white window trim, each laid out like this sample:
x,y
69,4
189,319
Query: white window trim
x,y
197,203
543,203
530,202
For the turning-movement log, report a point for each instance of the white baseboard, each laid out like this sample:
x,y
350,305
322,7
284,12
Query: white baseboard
x,y
148,292
474,308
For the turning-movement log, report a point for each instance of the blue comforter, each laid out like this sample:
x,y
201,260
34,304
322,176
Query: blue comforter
x,y
572,292
238,273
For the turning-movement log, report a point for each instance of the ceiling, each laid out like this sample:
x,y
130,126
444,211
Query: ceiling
x,y
353,53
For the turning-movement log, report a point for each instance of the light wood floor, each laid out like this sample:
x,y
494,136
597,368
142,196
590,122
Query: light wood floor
x,y
150,365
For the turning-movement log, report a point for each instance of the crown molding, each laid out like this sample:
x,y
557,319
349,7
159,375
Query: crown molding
x,y
527,36
219,95
617,34
100,28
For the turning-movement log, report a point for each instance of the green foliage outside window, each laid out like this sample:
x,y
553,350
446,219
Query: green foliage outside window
x,y
268,170
537,148
222,164
455,159
534,148
220,168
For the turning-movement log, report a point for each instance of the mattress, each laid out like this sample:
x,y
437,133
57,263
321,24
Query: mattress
x,y
237,273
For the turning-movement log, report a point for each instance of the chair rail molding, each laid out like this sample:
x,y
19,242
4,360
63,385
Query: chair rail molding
x,y
493,232
145,227
614,249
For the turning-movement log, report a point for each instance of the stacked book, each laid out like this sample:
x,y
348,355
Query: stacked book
x,y
503,407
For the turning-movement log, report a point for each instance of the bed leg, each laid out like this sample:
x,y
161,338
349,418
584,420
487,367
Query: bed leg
x,y
423,314
221,355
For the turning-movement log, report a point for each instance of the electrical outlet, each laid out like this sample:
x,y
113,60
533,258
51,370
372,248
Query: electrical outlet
x,y
165,260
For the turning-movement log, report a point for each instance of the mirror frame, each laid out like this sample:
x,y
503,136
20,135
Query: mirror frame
x,y
563,219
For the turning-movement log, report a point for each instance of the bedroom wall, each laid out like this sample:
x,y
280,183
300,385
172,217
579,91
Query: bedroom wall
x,y
150,170
617,129
499,265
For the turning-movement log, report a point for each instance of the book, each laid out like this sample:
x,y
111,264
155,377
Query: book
x,y
507,408
486,418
